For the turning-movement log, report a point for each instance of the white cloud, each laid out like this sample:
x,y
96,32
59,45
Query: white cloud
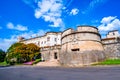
x,y
10,25
109,23
30,2
93,4
21,28
74,11
57,22
50,11
17,27
107,20
30,34
69,2
5,43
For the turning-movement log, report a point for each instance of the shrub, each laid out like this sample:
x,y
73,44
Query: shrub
x,y
36,61
2,55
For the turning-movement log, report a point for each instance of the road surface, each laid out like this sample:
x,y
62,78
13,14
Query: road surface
x,y
47,73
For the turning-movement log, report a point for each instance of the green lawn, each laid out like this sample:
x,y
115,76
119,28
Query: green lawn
x,y
3,64
36,61
32,63
110,62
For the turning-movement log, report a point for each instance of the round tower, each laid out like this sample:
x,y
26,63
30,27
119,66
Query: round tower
x,y
81,47
20,38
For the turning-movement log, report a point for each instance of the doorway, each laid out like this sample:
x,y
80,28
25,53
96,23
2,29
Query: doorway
x,y
55,55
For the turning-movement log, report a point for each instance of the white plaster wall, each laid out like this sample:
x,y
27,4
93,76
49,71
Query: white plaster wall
x,y
42,41
52,41
59,39
34,40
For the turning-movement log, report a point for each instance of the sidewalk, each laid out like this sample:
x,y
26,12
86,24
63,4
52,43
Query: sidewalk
x,y
53,63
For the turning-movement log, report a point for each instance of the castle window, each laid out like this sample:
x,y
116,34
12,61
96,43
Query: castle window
x,y
55,39
42,42
77,49
38,43
48,38
113,33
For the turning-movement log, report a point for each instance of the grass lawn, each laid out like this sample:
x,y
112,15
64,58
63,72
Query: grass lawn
x,y
3,64
109,62
18,64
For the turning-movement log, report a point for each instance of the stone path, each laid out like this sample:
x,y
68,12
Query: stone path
x,y
52,63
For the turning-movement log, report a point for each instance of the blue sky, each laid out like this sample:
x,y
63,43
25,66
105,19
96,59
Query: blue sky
x,y
29,18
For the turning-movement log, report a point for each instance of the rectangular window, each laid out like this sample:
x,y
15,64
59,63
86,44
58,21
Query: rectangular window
x,y
77,49
42,42
55,39
38,43
48,38
113,33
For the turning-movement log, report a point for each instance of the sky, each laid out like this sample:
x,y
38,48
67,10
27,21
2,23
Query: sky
x,y
31,18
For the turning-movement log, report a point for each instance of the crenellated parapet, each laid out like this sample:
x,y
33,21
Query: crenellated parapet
x,y
83,33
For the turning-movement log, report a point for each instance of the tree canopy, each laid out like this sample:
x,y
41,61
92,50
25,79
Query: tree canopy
x,y
2,55
20,52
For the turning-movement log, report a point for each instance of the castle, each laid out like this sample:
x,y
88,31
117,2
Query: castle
x,y
79,47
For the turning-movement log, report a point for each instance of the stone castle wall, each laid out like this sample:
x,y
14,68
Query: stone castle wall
x,y
79,47
48,53
87,28
112,47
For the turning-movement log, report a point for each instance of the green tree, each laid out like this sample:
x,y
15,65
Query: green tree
x,y
2,55
33,51
13,54
13,47
19,53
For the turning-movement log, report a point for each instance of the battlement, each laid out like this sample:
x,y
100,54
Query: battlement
x,y
87,29
114,33
83,33
81,29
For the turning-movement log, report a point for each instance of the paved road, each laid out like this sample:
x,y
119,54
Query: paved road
x,y
40,73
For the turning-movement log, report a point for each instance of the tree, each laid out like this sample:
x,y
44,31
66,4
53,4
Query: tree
x,y
20,52
13,46
33,50
2,55
13,54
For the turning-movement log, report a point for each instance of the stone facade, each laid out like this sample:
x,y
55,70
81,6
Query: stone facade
x,y
49,39
49,44
51,53
112,45
79,47
83,46
112,34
